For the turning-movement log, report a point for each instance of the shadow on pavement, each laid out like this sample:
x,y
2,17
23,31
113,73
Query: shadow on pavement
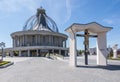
x,y
108,67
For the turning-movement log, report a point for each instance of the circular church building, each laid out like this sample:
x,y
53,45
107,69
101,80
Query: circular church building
x,y
39,37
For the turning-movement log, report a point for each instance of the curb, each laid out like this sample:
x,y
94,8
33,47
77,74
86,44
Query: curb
x,y
6,65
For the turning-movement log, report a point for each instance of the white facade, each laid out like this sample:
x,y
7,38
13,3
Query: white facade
x,y
39,43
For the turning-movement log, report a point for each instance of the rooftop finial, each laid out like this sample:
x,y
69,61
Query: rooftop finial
x,y
40,11
41,7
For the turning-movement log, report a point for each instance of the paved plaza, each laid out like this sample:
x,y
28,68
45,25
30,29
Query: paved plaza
x,y
39,69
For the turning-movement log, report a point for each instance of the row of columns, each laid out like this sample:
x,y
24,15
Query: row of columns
x,y
37,53
27,40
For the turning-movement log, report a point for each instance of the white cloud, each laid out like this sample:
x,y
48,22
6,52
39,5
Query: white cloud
x,y
4,16
115,20
79,3
108,21
16,5
111,6
8,7
68,6
59,10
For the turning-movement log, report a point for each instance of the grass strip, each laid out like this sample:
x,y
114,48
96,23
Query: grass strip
x,y
4,62
114,58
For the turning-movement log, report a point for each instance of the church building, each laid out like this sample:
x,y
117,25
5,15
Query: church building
x,y
40,36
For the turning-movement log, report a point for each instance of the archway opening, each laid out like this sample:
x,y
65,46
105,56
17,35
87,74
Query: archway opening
x,y
85,39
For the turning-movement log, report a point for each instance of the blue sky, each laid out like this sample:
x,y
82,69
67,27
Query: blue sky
x,y
14,13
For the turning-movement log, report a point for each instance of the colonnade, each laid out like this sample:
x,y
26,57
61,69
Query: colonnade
x,y
38,40
39,52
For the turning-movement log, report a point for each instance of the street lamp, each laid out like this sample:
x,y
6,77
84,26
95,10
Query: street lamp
x,y
2,45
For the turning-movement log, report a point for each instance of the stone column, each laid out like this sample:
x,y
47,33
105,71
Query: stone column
x,y
53,51
115,51
23,40
13,42
19,53
41,40
49,42
28,53
65,43
16,41
65,52
38,39
36,42
11,53
59,52
101,49
20,41
37,52
52,40
72,50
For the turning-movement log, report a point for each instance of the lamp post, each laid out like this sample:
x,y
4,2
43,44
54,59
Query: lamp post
x,y
2,45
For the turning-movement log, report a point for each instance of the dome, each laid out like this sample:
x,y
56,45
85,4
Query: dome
x,y
40,22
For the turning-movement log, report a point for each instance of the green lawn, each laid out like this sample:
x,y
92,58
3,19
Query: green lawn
x,y
114,58
4,62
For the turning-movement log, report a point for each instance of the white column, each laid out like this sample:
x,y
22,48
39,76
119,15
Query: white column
x,y
65,52
28,53
11,53
101,49
39,40
19,53
38,37
37,52
72,49
36,40
53,51
59,52
20,43
51,40
65,43
23,40
115,51
13,41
